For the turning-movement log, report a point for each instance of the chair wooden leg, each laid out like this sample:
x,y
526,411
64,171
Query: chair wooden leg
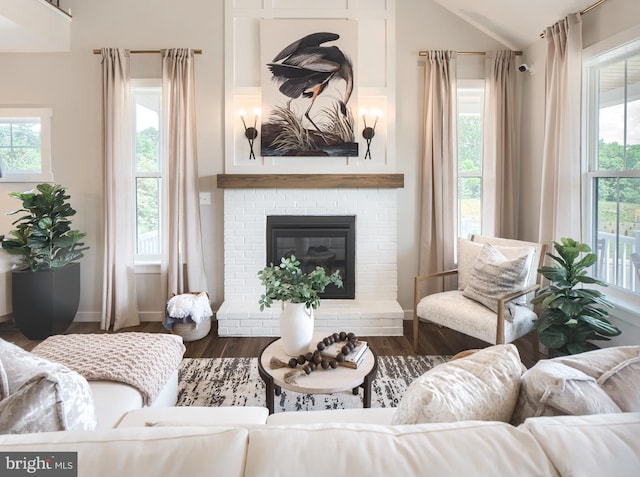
x,y
416,332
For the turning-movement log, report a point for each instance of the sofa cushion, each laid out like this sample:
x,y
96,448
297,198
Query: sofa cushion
x,y
596,445
616,370
144,451
493,276
552,388
453,310
197,416
446,450
379,415
43,396
481,386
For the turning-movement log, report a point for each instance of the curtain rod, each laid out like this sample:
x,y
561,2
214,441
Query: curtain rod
x,y
586,10
97,51
476,53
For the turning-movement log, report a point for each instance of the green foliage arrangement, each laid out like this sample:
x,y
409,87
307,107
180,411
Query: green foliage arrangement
x,y
43,238
287,282
572,315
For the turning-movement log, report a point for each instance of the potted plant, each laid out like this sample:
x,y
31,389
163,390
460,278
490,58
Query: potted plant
x,y
299,294
571,315
46,278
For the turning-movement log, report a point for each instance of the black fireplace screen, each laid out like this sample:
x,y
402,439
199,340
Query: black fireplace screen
x,y
326,241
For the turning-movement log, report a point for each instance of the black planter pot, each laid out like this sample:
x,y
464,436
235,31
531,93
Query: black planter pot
x,y
45,302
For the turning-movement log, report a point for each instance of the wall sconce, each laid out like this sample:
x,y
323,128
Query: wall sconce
x,y
251,133
368,132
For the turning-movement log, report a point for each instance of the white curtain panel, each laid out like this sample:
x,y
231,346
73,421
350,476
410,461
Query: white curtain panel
x,y
560,213
499,213
119,298
438,182
182,265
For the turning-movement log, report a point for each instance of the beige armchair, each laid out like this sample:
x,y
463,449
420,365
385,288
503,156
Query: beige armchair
x,y
465,309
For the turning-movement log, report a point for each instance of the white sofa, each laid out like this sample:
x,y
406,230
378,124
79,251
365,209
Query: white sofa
x,y
476,396
597,445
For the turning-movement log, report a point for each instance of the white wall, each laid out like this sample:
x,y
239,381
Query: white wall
x,y
71,84
599,24
421,25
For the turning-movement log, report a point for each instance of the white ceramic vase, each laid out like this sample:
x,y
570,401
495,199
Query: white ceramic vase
x,y
296,328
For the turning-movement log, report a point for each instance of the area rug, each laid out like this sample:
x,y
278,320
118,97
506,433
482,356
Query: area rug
x,y
236,382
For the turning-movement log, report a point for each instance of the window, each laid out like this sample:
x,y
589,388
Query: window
x,y
470,118
25,145
146,102
612,150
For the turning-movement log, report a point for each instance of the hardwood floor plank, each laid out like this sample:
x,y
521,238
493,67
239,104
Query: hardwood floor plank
x,y
433,340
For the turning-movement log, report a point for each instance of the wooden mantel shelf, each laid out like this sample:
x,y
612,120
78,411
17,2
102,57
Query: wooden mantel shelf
x,y
310,181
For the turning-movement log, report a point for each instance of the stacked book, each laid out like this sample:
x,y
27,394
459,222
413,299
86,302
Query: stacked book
x,y
352,360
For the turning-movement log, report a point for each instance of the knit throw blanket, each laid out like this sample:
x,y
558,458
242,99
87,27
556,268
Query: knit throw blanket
x,y
144,361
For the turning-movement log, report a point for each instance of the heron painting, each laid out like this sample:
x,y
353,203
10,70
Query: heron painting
x,y
310,114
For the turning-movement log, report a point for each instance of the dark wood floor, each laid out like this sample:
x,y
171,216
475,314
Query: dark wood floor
x,y
440,341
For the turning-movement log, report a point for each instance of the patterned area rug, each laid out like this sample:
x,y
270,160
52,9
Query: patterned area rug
x,y
236,382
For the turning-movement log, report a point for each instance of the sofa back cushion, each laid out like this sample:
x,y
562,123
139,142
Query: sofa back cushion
x,y
141,451
443,450
595,445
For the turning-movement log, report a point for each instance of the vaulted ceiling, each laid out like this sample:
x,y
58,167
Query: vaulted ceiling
x,y
514,23
33,25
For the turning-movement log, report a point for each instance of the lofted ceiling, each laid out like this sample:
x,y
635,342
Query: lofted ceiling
x,y
514,23
34,25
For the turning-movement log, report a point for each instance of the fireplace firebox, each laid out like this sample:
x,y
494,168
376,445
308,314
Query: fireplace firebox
x,y
326,241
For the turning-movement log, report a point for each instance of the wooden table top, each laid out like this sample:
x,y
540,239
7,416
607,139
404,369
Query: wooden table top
x,y
320,381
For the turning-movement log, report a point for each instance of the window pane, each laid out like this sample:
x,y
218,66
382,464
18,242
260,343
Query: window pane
x,y
147,112
470,110
470,105
617,230
470,192
20,149
148,215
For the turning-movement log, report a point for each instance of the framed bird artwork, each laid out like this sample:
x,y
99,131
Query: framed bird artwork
x,y
309,87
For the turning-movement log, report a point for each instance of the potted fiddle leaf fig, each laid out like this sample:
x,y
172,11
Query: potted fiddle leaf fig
x,y
299,294
572,316
46,277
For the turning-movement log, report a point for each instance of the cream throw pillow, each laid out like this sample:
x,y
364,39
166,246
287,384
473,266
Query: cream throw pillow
x,y
551,388
468,252
616,370
482,386
494,276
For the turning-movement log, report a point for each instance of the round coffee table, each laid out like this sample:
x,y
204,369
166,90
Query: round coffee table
x,y
321,381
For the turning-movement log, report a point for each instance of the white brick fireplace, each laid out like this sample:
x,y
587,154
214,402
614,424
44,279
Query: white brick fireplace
x,y
374,311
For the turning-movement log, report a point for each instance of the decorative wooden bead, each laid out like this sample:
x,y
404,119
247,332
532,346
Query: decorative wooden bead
x,y
293,362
